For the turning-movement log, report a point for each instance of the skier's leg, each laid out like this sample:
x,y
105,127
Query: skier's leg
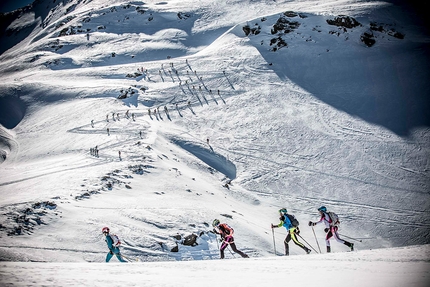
x,y
296,241
350,245
338,239
109,256
327,240
336,235
118,255
233,247
287,248
222,248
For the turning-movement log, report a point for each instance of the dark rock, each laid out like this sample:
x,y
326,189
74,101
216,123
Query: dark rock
x,y
177,237
290,14
284,25
368,39
190,240
175,249
395,34
344,21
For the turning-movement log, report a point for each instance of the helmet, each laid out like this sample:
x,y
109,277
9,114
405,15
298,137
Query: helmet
x,y
105,229
283,210
215,222
323,209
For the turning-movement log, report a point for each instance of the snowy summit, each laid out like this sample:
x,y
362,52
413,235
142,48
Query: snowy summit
x,y
192,130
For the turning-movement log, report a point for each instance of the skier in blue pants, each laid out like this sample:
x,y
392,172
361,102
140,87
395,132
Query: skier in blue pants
x,y
112,248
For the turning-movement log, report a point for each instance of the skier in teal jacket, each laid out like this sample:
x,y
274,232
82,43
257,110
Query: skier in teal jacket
x,y
112,248
292,231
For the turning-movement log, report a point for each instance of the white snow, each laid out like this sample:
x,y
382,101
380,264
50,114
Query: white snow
x,y
325,120
383,267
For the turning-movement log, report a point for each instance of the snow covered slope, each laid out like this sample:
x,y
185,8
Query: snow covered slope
x,y
210,109
384,267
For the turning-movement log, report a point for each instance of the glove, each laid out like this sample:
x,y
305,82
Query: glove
x,y
273,226
311,223
297,231
111,252
326,230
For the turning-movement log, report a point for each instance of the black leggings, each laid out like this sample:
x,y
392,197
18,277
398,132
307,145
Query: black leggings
x,y
230,241
292,235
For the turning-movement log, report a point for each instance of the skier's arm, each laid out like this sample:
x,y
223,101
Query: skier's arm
x,y
321,219
318,222
216,231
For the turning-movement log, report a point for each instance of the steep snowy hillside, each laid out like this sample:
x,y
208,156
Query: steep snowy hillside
x,y
154,118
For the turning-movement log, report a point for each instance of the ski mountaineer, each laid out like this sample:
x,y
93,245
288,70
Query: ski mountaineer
x,y
112,249
292,231
331,229
226,233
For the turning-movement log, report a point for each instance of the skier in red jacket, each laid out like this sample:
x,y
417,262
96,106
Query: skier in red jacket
x,y
226,233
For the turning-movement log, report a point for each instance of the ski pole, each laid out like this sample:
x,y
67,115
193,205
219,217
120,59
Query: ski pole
x,y
307,243
351,238
228,245
128,258
216,238
273,235
316,239
231,252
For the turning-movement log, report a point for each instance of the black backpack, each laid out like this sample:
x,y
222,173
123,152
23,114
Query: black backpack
x,y
293,219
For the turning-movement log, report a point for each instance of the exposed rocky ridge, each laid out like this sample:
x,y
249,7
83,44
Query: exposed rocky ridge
x,y
284,25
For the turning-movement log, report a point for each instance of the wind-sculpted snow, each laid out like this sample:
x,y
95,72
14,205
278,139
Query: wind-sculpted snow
x,y
206,154
12,110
